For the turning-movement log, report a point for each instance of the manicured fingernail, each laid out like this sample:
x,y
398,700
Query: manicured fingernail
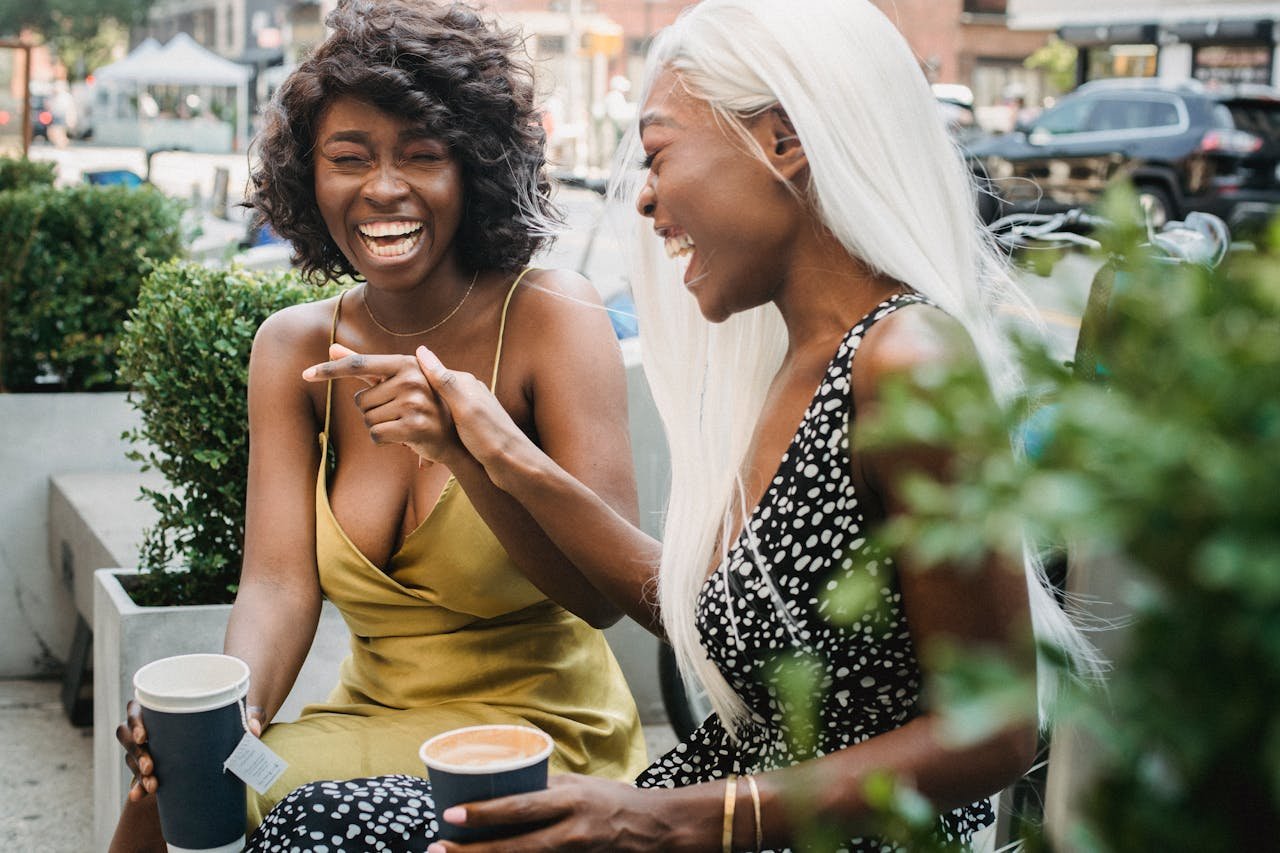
x,y
435,848
457,815
309,373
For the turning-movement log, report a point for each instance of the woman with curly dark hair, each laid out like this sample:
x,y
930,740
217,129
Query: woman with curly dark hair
x,y
406,153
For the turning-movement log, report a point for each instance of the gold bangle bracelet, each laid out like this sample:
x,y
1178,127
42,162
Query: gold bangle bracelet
x,y
755,807
730,803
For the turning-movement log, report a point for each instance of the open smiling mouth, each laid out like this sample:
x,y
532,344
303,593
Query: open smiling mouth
x,y
678,246
390,239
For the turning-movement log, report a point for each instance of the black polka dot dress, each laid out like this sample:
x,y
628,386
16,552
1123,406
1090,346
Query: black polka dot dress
x,y
845,635
805,549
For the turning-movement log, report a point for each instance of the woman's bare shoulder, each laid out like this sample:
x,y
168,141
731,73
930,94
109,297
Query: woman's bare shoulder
x,y
551,290
295,337
298,325
912,338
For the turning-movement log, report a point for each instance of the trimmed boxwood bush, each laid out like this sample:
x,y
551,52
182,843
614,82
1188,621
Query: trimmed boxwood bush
x,y
185,353
71,262
21,173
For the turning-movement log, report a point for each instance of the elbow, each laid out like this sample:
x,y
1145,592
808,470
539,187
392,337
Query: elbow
x,y
604,616
1020,746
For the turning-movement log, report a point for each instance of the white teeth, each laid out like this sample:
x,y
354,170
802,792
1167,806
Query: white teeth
x,y
391,250
389,229
679,246
409,231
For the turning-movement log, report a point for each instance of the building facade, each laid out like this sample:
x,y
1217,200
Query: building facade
x,y
1215,42
969,42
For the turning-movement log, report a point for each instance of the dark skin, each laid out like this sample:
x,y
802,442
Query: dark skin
x,y
757,241
561,383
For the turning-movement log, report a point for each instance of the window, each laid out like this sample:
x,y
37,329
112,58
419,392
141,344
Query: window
x,y
1069,117
1112,114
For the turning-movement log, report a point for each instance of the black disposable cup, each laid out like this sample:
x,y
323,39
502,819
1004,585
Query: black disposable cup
x,y
483,763
191,708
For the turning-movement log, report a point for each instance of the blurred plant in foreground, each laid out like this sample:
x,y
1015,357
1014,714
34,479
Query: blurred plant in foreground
x,y
1167,469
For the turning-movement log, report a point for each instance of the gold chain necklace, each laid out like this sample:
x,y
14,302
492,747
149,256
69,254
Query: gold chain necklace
x,y
433,326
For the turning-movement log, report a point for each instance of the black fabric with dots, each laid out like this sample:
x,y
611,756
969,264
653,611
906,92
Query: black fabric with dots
x,y
846,644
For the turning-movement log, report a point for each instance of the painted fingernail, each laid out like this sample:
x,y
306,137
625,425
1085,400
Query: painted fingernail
x,y
309,373
435,848
457,815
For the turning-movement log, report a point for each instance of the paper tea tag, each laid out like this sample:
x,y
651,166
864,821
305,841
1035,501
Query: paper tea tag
x,y
255,763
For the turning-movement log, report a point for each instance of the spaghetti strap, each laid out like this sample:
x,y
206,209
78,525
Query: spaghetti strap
x,y
328,393
502,328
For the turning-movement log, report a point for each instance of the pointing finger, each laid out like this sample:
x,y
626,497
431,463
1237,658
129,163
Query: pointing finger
x,y
368,367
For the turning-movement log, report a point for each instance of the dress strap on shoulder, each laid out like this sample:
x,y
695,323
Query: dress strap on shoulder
x,y
502,329
333,338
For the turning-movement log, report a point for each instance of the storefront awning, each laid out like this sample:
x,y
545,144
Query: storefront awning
x,y
1093,35
1253,31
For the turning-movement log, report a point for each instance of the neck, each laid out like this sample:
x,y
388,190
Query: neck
x,y
417,307
826,290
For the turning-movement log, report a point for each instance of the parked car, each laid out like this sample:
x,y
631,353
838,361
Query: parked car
x,y
955,105
42,117
1184,146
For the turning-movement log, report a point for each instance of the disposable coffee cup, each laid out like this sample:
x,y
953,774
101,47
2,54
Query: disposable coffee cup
x,y
191,708
483,763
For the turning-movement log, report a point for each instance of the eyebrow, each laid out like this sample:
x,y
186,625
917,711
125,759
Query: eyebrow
x,y
657,118
346,136
409,135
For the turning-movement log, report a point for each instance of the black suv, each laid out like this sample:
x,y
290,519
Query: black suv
x,y
1184,146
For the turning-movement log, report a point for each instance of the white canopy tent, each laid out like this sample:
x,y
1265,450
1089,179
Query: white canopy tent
x,y
181,63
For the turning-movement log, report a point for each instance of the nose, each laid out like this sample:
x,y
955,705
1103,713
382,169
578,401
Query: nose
x,y
385,185
647,201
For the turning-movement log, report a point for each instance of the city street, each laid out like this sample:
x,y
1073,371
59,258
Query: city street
x,y
1058,299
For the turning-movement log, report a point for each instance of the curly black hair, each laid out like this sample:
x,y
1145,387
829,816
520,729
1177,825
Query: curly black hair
x,y
439,66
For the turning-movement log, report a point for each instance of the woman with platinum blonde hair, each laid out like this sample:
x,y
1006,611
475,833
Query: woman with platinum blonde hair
x,y
801,182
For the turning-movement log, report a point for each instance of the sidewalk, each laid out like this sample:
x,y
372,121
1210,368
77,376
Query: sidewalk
x,y
47,789
47,786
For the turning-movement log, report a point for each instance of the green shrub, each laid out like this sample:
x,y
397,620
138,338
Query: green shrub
x,y
185,353
21,173
1168,470
71,262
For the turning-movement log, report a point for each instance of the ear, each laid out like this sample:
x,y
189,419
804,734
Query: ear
x,y
782,145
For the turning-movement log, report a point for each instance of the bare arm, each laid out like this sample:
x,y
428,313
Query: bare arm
x,y
277,607
982,609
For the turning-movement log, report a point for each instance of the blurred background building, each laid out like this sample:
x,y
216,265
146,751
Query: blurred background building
x,y
995,61
1230,41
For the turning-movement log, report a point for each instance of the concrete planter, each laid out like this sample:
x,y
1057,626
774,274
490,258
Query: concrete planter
x,y
127,636
42,435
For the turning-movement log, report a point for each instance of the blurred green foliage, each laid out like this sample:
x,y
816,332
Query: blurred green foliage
x,y
1057,59
185,354
19,173
70,267
81,32
1166,470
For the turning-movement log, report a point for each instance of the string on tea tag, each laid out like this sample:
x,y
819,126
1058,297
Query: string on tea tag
x,y
253,761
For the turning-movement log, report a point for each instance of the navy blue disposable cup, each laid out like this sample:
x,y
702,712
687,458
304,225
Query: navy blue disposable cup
x,y
191,708
483,763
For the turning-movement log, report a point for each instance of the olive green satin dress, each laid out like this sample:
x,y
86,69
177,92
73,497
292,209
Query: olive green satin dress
x,y
450,634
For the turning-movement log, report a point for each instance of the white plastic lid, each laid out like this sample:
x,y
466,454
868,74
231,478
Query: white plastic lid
x,y
188,684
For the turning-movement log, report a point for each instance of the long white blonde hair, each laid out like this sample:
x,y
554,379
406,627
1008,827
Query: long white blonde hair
x,y
889,184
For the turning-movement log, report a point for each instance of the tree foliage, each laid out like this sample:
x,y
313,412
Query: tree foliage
x,y
82,32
